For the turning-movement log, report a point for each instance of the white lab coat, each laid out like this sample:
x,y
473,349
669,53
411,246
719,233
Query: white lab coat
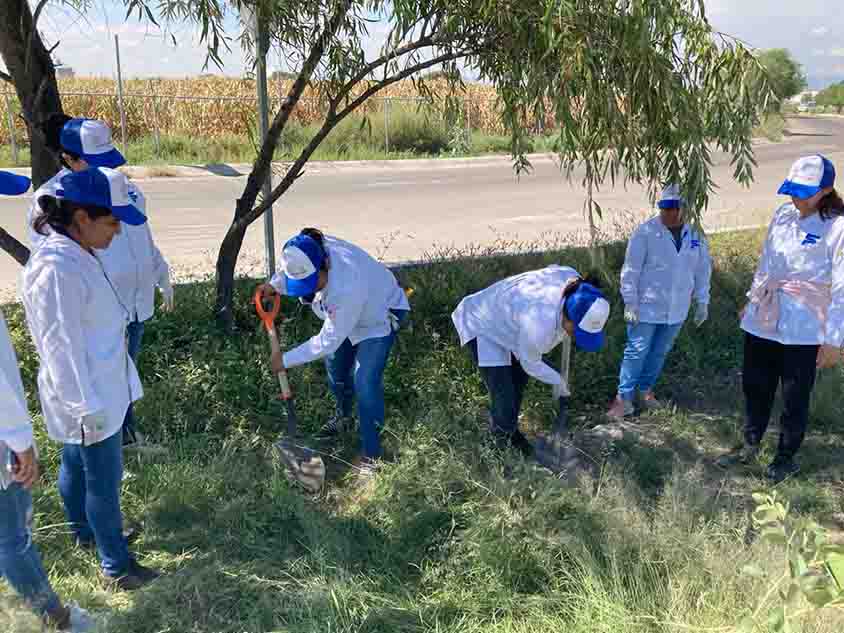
x,y
520,315
132,261
355,303
659,281
15,423
812,250
79,330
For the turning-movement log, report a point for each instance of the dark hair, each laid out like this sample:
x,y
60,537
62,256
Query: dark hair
x,y
831,205
52,130
58,214
317,236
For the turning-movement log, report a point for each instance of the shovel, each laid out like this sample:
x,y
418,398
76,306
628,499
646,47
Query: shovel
x,y
554,451
302,464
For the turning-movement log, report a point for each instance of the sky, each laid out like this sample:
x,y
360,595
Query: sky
x,y
813,30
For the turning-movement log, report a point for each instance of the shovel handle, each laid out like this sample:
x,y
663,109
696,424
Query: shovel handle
x,y
268,317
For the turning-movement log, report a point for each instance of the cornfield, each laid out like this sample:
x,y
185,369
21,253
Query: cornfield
x,y
211,106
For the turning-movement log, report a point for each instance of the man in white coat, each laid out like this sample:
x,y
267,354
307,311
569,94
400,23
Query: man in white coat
x,y
511,324
20,562
132,262
667,265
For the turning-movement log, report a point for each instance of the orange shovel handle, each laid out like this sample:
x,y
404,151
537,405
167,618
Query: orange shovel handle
x,y
268,318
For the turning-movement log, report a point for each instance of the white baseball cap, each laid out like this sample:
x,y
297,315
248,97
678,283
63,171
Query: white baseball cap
x,y
808,176
90,139
671,198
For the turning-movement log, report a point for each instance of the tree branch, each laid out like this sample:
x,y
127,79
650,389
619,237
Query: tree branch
x,y
33,33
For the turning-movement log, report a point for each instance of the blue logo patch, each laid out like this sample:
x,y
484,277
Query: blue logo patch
x,y
133,195
695,243
811,239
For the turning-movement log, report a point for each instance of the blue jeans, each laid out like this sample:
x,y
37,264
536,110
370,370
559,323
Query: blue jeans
x,y
134,336
647,346
358,371
506,387
89,483
20,562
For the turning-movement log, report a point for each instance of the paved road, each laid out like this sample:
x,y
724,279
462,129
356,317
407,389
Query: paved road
x,y
403,211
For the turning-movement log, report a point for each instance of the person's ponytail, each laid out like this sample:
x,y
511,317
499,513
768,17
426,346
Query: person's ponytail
x,y
831,205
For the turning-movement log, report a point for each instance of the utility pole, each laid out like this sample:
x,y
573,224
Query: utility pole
x,y
262,45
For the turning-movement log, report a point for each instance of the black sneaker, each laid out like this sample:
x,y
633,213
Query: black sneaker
x,y
515,441
744,455
782,469
335,426
136,577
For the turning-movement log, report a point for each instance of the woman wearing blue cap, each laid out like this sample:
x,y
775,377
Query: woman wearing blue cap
x,y
511,324
794,320
20,563
362,307
86,379
666,266
133,262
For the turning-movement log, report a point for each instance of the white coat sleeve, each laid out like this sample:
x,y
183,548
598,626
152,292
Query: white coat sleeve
x,y
762,268
634,262
703,274
339,324
58,307
161,269
15,423
835,316
535,333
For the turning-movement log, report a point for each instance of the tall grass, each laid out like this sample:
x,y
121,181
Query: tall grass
x,y
452,535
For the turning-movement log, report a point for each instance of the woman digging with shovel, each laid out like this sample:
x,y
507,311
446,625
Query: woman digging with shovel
x,y
362,308
510,325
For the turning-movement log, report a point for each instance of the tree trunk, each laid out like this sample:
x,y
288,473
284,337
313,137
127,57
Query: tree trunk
x,y
32,72
226,263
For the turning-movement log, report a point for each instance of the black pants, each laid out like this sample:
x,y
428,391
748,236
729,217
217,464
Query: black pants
x,y
506,386
766,365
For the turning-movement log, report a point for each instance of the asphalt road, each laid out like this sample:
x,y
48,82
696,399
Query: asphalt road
x,y
403,211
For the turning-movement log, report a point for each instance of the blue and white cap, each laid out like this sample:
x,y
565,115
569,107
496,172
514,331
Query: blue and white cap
x,y
91,140
589,310
12,184
101,187
670,198
301,260
808,176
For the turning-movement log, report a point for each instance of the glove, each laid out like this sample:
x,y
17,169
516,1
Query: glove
x,y
701,313
631,315
94,427
167,295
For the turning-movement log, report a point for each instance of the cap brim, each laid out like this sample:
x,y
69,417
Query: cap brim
x,y
111,159
802,192
670,204
302,287
129,214
13,184
588,342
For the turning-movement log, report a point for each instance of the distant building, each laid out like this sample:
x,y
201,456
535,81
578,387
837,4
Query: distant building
x,y
62,70
804,97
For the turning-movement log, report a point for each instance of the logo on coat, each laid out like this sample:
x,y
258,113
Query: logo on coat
x,y
810,239
695,243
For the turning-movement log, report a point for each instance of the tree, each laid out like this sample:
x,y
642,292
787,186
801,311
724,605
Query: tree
x,y
31,71
832,96
639,89
785,75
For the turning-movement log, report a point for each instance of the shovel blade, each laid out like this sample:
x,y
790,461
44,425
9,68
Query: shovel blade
x,y
555,452
302,465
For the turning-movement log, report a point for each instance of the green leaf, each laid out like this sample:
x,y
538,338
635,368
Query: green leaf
x,y
775,536
835,564
792,597
747,625
753,571
817,590
776,619
797,565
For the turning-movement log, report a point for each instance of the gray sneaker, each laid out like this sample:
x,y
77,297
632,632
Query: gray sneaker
x,y
335,426
744,455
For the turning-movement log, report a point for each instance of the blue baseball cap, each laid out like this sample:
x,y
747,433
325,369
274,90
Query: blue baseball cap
x,y
301,260
102,187
12,184
589,310
90,139
671,198
808,176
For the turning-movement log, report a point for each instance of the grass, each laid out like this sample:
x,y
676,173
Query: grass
x,y
772,127
451,536
412,134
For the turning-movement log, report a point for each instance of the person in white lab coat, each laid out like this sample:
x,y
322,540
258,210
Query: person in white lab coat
x,y
666,266
20,562
132,260
362,308
511,324
86,378
794,320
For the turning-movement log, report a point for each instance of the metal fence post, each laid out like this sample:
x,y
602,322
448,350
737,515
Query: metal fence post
x,y
120,93
155,127
11,119
387,125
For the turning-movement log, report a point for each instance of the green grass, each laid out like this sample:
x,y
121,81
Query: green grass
x,y
772,127
452,536
412,134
